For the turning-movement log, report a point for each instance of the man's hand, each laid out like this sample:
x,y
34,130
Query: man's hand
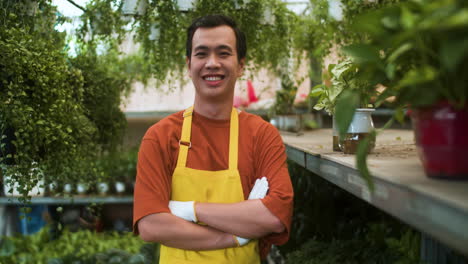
x,y
184,210
259,191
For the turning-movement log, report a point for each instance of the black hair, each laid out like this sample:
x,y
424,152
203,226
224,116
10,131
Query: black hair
x,y
211,21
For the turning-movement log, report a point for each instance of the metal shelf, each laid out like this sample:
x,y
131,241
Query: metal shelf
x,y
77,200
435,207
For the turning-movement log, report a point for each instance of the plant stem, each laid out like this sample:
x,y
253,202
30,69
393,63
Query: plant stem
x,y
78,6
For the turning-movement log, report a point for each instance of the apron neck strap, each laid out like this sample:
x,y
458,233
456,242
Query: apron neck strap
x,y
233,139
185,143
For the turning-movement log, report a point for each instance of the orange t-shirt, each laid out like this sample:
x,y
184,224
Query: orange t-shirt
x,y
261,153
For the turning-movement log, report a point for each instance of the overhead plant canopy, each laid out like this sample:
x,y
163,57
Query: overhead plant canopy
x,y
159,27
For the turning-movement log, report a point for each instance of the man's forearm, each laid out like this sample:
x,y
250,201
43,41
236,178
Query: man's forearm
x,y
249,219
172,231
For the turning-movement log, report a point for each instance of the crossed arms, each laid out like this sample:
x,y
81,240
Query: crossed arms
x,y
248,219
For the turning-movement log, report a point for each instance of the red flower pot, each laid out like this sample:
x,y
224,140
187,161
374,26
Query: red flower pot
x,y
441,134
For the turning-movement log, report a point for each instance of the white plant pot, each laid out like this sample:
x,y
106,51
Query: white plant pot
x,y
186,5
292,123
275,121
103,188
268,18
238,4
134,7
119,187
81,188
53,186
155,32
336,135
67,188
37,190
360,127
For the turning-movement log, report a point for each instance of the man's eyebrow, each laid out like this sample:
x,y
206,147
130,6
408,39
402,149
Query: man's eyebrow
x,y
201,47
220,47
224,47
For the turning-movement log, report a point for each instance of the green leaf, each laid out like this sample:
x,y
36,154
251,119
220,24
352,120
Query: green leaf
x,y
400,115
418,76
399,51
460,19
453,51
361,159
362,53
408,20
347,103
7,248
369,23
317,90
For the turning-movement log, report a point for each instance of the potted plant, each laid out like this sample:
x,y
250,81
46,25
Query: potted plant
x,y
282,112
353,122
419,51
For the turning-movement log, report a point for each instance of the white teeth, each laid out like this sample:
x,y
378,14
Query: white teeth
x,y
212,78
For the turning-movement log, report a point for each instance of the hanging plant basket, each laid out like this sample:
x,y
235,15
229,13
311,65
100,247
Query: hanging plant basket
x,y
134,7
441,140
155,32
186,5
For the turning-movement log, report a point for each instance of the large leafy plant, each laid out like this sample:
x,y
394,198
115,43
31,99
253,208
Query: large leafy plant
x,y
418,50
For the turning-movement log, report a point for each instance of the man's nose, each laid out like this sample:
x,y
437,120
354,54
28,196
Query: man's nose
x,y
212,62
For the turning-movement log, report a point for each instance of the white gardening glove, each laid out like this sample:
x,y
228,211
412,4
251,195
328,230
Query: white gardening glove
x,y
184,210
259,191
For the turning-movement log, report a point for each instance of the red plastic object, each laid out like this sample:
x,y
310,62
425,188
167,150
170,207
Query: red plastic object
x,y
441,134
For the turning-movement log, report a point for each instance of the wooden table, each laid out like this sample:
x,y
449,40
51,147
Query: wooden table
x,y
438,208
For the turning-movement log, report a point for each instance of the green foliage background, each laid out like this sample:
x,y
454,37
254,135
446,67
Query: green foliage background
x,y
82,247
331,226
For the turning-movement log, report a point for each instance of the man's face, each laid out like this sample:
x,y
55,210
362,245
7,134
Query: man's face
x,y
213,65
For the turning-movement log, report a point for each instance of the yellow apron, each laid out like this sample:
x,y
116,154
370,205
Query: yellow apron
x,y
222,186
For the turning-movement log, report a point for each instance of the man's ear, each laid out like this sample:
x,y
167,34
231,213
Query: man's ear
x,y
187,62
241,67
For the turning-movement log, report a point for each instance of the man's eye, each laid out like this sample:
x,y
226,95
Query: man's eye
x,y
225,54
200,54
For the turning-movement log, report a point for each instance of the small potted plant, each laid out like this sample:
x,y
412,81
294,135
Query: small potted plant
x,y
282,112
418,50
352,122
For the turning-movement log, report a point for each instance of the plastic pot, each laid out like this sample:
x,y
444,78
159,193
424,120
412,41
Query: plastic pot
x,y
441,135
358,130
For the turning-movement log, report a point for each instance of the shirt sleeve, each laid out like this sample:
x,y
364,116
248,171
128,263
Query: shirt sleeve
x,y
153,181
272,164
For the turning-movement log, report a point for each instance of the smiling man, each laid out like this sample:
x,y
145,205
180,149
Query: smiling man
x,y
212,182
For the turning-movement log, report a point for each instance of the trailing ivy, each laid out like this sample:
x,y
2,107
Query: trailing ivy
x,y
57,114
268,26
41,100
